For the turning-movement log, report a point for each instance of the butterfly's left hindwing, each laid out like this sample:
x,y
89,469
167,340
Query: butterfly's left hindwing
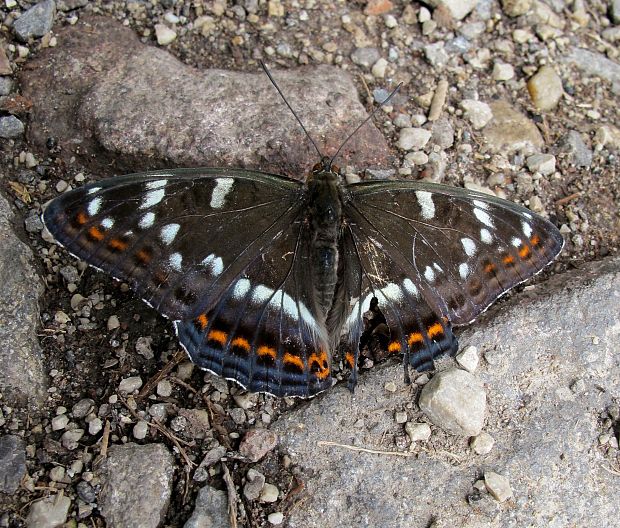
x,y
215,250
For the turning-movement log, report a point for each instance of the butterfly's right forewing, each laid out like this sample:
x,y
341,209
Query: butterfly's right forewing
x,y
178,238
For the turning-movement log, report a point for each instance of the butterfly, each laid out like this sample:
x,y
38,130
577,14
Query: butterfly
x,y
264,276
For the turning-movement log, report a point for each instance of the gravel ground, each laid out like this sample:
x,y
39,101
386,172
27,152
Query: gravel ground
x,y
104,422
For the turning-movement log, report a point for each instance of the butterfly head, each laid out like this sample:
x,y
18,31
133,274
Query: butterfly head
x,y
324,167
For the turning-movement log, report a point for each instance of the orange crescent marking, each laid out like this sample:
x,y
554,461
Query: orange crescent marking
x,y
508,259
394,347
489,268
267,351
81,218
118,244
435,330
202,321
96,233
415,337
535,240
143,256
350,359
218,336
292,359
241,342
524,252
318,360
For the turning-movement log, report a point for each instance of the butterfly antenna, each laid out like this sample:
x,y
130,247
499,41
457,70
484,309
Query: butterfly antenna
x,y
290,107
384,102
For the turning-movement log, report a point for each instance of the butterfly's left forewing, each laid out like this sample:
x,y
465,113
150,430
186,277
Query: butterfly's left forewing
x,y
216,251
437,256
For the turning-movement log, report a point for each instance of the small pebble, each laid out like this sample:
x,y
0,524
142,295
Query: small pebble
x,y
140,430
413,138
129,385
400,417
164,388
379,68
164,34
269,494
498,486
502,71
57,473
11,127
275,518
95,426
476,112
390,386
83,408
113,323
483,443
541,163
468,358
545,88
418,432
59,422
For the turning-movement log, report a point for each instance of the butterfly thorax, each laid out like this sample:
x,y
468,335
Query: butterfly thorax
x,y
325,219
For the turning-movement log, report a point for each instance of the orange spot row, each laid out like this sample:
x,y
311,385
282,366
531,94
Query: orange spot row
x,y
218,336
292,359
241,342
318,363
117,244
350,359
202,321
434,330
81,218
96,234
415,337
394,347
266,351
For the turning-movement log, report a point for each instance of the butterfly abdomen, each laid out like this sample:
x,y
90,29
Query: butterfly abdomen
x,y
325,217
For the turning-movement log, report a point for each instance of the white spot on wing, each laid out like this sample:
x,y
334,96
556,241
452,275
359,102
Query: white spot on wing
x,y
437,267
221,189
392,292
107,223
486,236
469,246
410,287
156,184
483,217
94,205
481,204
175,260
429,274
261,294
425,199
214,263
527,229
94,190
168,233
242,287
516,242
152,198
464,270
147,220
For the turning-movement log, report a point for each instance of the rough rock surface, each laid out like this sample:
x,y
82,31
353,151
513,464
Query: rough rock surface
x,y
137,485
22,379
149,102
535,347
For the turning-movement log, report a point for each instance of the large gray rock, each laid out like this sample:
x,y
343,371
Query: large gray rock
x,y
12,463
138,105
536,346
136,485
35,22
210,510
22,378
